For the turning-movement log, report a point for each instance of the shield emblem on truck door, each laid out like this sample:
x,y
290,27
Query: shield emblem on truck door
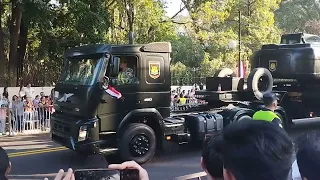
x,y
154,69
272,65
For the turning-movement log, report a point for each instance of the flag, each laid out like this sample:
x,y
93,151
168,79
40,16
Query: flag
x,y
112,92
242,69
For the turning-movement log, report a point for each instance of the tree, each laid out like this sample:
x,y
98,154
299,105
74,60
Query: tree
x,y
146,21
293,15
188,51
215,23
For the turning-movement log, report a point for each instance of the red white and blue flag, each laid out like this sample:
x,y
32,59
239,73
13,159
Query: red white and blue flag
x,y
112,92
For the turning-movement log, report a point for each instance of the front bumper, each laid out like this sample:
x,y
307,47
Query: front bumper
x,y
65,131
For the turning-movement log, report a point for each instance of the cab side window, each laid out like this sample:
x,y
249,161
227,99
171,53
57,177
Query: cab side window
x,y
128,72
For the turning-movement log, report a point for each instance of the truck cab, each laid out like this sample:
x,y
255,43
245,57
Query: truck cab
x,y
88,120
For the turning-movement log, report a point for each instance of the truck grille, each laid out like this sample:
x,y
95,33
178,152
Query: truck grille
x,y
61,127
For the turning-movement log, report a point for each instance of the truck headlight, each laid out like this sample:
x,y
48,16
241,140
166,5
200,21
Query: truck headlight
x,y
83,131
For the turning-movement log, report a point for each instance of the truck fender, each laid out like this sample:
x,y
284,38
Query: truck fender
x,y
283,113
158,126
231,115
242,112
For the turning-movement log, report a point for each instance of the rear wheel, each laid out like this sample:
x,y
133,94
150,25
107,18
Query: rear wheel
x,y
137,143
241,117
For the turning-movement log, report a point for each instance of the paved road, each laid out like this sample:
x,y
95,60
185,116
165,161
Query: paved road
x,y
36,157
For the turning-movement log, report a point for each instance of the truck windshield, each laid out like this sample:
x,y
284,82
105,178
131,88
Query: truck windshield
x,y
80,71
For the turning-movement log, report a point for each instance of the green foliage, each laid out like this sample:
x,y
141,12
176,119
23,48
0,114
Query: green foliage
x,y
293,15
187,51
198,41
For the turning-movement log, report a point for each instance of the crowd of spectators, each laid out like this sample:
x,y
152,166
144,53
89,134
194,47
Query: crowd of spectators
x,y
24,107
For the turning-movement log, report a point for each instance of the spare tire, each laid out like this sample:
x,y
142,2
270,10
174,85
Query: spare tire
x,y
260,81
225,72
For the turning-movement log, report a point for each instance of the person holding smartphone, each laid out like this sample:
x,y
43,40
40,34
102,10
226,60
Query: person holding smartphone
x,y
143,174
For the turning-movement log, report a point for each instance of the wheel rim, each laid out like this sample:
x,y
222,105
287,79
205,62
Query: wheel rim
x,y
263,83
139,145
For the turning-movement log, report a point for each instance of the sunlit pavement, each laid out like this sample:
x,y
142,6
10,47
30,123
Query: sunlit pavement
x,y
36,157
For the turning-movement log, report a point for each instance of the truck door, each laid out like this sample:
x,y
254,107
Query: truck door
x,y
156,81
127,81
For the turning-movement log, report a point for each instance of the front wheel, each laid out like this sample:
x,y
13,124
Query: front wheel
x,y
137,143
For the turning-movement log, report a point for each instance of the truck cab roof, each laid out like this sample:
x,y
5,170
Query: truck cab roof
x,y
159,47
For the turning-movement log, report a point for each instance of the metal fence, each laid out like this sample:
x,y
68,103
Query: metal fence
x,y
26,121
190,103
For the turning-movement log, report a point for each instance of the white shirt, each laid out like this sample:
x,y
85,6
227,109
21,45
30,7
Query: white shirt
x,y
28,91
295,171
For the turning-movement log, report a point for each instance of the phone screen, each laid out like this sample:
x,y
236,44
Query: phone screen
x,y
106,174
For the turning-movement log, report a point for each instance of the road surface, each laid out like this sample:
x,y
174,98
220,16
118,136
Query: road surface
x,y
36,157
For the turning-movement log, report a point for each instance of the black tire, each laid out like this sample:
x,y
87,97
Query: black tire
x,y
133,132
241,117
254,78
225,72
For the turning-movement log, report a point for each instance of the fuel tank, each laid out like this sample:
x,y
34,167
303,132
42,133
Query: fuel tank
x,y
289,61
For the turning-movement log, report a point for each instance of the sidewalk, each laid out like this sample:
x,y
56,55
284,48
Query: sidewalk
x,y
26,142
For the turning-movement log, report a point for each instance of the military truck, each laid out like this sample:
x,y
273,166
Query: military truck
x,y
291,68
88,120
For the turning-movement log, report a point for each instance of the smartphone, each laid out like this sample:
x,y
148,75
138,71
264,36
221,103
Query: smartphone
x,y
106,174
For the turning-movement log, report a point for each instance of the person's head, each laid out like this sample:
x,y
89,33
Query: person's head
x,y
5,164
256,150
123,64
5,89
308,155
41,94
14,98
18,99
270,100
211,160
42,99
181,96
29,85
37,97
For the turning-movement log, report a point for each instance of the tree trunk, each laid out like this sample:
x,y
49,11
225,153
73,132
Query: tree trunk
x,y
22,44
14,38
2,56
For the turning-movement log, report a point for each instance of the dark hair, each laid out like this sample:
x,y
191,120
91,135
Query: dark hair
x,y
5,92
4,162
212,155
257,150
308,155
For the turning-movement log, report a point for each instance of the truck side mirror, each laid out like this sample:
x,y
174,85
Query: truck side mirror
x,y
114,66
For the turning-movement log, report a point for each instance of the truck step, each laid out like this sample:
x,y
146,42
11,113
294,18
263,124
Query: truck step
x,y
108,133
108,150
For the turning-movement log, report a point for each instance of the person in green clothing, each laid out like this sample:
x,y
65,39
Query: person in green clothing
x,y
126,75
270,101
